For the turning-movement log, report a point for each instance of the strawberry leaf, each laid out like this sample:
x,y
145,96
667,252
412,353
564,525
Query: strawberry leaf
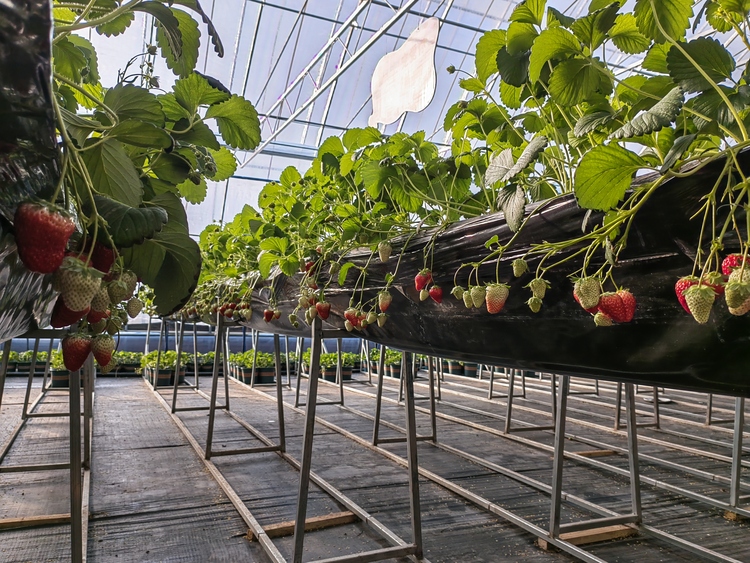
x,y
238,122
194,90
486,55
512,201
710,56
673,15
127,225
551,44
132,102
661,115
113,173
141,134
603,176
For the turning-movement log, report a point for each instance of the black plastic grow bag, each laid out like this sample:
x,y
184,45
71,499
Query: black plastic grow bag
x,y
28,156
662,346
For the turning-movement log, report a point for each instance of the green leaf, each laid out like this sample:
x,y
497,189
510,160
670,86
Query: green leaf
x,y
740,7
514,69
709,55
132,102
551,44
529,154
79,128
171,107
194,90
375,177
127,225
275,244
183,62
199,134
626,37
486,55
343,271
116,26
511,95
681,144
499,165
555,18
266,261
215,39
141,134
519,37
170,264
169,34
720,19
226,164
592,29
113,173
238,122
171,168
356,138
471,84
661,115
599,4
192,192
592,121
656,58
512,200
573,81
68,59
92,64
673,15
529,11
603,176
332,145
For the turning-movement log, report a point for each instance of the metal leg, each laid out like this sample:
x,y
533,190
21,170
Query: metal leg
x,y
709,408
433,417
195,358
618,405
307,442
76,486
255,337
162,329
32,369
88,407
439,390
523,384
401,373
47,364
509,410
300,344
557,467
635,472
225,364
492,382
4,368
378,397
656,406
286,358
214,383
739,424
148,335
179,333
596,386
411,453
339,371
279,393
553,389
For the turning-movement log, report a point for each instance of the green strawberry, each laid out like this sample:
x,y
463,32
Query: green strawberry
x,y
700,299
133,307
535,304
520,267
478,293
130,280
423,294
100,302
538,287
372,318
102,347
602,319
384,250
458,292
382,317
118,291
588,291
468,303
77,283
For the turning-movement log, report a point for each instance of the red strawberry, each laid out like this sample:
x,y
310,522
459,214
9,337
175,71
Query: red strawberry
x,y
495,297
422,279
350,315
716,281
268,315
628,301
62,316
95,316
42,233
730,263
102,347
102,258
324,309
309,265
611,305
436,292
75,348
681,286
384,300
590,310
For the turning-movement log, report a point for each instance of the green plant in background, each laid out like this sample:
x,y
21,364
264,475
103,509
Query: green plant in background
x,y
13,356
56,361
130,151
128,358
349,359
547,116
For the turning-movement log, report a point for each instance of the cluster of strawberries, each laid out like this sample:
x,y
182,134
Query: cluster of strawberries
x,y
608,307
697,295
87,284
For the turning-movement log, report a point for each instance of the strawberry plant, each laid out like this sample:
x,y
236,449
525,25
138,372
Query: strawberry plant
x,y
130,154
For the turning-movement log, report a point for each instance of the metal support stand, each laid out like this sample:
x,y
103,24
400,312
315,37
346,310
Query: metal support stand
x,y
511,394
162,330
286,359
511,373
400,550
556,529
221,343
709,413
308,376
407,373
735,488
618,409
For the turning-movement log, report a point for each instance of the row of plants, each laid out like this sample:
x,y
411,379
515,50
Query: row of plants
x,y
547,118
129,155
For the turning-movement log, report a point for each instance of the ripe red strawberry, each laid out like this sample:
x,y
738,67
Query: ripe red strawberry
x,y
42,232
628,301
495,297
109,367
384,300
422,279
102,258
309,265
62,316
715,280
268,315
95,316
681,286
611,304
323,308
102,347
75,348
730,263
436,293
350,315
77,283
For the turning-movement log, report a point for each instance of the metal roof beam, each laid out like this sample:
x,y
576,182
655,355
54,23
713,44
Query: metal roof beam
x,y
354,58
